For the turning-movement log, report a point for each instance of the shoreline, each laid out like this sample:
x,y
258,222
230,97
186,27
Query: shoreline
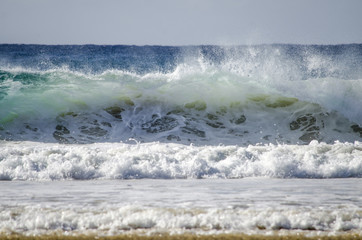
x,y
186,236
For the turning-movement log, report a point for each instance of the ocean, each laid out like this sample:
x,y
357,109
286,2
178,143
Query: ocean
x,y
260,141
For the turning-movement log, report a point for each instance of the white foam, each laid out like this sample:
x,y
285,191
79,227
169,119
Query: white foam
x,y
39,161
35,220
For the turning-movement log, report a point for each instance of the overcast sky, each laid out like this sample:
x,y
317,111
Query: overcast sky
x,y
180,22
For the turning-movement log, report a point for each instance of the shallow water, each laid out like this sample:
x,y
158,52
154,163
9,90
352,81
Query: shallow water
x,y
209,206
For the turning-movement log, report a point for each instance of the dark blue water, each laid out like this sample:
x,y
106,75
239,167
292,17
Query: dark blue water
x,y
339,61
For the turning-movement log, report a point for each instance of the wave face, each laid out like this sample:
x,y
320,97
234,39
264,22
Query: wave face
x,y
206,95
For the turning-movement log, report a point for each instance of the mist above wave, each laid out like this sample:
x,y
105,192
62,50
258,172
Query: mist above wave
x,y
289,61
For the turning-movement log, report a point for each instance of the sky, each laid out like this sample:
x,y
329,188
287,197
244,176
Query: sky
x,y
180,22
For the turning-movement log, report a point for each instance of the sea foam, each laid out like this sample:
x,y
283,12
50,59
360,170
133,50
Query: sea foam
x,y
39,161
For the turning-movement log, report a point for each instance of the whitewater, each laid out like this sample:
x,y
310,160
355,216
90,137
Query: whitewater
x,y
204,140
